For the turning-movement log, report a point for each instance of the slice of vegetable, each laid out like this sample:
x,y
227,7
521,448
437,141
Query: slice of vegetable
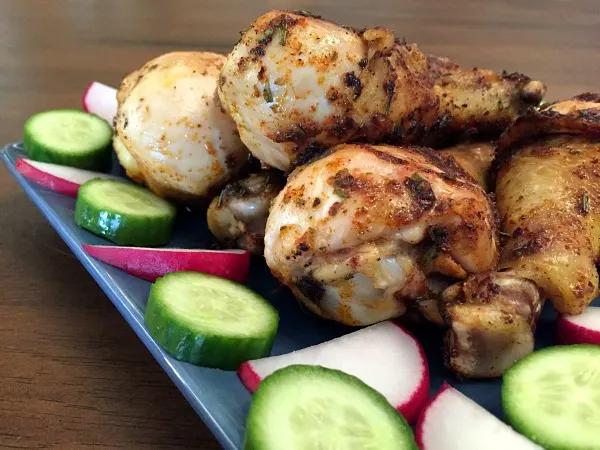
x,y
62,179
101,100
152,263
312,407
452,421
124,213
68,137
384,356
581,329
553,396
210,321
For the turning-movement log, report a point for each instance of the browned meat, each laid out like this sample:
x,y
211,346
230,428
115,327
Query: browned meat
x,y
475,158
491,320
349,231
237,217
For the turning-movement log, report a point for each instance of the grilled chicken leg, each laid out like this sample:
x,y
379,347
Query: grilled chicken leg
x,y
296,84
349,231
548,196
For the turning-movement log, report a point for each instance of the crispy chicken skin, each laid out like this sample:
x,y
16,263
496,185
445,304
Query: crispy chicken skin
x,y
548,194
296,84
170,130
238,216
479,100
491,320
349,231
475,158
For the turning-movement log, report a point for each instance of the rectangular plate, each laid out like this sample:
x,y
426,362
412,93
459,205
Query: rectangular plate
x,y
218,396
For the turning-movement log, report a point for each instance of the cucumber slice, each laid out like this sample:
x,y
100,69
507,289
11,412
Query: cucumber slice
x,y
68,137
124,213
553,397
311,407
210,321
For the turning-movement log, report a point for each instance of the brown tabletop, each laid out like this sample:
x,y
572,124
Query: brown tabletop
x,y
72,373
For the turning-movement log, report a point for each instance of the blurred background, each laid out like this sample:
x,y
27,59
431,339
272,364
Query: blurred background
x,y
82,40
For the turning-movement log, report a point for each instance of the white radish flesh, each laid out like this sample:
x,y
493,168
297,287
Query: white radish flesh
x,y
452,421
581,329
101,100
383,355
151,263
61,179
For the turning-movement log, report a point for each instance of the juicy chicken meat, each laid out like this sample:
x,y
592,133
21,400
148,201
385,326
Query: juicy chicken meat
x,y
491,320
548,194
349,231
296,84
238,216
475,158
170,130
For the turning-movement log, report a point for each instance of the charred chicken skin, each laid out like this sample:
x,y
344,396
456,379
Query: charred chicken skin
x,y
296,84
355,233
170,130
238,216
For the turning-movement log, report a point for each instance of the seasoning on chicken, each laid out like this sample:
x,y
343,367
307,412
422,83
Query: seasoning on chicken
x,y
348,232
548,196
170,130
296,84
491,320
480,101
238,216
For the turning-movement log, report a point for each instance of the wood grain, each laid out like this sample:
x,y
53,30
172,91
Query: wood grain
x,y
72,373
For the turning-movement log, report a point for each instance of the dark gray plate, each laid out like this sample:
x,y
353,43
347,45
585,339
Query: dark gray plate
x,y
218,396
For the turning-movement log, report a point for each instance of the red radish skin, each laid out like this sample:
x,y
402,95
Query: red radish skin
x,y
397,368
61,179
152,263
452,421
101,100
581,329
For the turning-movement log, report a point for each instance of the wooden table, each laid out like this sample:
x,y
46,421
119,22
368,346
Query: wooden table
x,y
72,373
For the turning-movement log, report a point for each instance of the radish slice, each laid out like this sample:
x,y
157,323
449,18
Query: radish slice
x,y
62,179
581,329
384,356
101,100
152,263
452,421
